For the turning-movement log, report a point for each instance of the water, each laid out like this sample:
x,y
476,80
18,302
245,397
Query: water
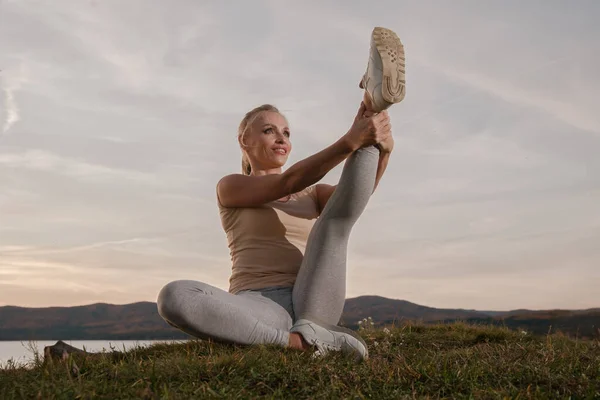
x,y
22,354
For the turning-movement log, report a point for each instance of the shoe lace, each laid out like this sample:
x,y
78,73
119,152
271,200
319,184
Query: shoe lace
x,y
323,347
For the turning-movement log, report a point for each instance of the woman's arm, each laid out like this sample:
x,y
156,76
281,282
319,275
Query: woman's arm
x,y
385,150
384,157
238,190
324,192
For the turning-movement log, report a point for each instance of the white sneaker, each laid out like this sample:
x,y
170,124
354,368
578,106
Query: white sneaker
x,y
384,79
328,337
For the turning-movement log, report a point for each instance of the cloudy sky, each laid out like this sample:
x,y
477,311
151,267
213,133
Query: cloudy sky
x,y
117,119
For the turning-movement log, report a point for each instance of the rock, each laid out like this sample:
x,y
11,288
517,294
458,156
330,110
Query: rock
x,y
60,351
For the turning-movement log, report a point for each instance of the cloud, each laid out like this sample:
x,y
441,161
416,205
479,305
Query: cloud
x,y
129,118
12,111
552,105
40,160
11,81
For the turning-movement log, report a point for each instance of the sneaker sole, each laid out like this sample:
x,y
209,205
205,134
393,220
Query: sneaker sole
x,y
391,51
341,329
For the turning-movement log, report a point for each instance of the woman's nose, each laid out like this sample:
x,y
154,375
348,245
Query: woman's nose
x,y
281,138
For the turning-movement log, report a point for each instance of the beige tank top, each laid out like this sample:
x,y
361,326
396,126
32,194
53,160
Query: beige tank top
x,y
267,243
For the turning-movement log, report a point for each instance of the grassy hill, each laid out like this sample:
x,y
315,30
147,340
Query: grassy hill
x,y
452,360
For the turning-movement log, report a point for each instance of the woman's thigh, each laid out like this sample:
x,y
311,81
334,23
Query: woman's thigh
x,y
187,297
279,308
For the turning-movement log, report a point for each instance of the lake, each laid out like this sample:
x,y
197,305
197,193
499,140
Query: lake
x,y
21,353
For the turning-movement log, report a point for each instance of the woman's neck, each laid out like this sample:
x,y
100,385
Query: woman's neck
x,y
262,172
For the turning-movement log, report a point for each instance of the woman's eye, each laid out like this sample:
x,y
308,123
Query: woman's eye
x,y
268,130
286,133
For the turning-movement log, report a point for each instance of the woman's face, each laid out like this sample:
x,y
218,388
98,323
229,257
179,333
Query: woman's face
x,y
267,141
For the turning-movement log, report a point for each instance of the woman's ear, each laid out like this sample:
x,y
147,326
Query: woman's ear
x,y
242,145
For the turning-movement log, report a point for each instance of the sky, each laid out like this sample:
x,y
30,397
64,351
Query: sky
x,y
117,119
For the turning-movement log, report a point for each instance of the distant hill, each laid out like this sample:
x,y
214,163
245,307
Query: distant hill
x,y
384,311
140,321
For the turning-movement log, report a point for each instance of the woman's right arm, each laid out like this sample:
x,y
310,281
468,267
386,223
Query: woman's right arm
x,y
239,190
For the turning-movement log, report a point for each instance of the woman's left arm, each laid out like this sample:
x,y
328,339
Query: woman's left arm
x,y
384,157
385,150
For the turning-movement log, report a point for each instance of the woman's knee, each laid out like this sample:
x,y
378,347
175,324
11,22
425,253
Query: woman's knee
x,y
169,300
176,296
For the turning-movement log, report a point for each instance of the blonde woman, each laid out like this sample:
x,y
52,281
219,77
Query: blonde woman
x,y
287,234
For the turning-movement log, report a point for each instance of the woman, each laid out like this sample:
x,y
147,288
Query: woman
x,y
288,235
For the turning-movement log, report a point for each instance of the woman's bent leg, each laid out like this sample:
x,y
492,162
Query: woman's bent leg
x,y
207,312
320,288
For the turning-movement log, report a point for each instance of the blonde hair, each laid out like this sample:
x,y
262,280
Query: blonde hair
x,y
246,122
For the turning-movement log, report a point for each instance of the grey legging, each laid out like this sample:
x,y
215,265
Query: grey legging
x,y
266,315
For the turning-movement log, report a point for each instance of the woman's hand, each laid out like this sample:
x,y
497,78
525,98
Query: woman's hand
x,y
369,129
386,145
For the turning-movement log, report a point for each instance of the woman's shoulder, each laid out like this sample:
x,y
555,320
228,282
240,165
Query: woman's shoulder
x,y
221,181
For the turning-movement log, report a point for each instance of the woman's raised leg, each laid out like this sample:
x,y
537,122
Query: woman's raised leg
x,y
320,289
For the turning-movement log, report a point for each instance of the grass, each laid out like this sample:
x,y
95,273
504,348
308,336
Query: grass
x,y
441,361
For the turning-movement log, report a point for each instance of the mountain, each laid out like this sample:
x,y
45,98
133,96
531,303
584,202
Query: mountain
x,y
140,321
383,309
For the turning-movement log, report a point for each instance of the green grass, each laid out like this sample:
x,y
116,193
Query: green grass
x,y
457,361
